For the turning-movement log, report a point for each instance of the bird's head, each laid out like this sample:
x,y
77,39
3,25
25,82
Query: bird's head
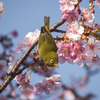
x,y
52,59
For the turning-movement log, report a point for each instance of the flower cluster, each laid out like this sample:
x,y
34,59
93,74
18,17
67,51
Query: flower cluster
x,y
87,17
77,48
26,88
27,40
70,16
74,30
49,84
79,53
23,83
67,7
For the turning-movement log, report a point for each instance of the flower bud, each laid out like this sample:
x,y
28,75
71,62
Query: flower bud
x,y
92,11
14,33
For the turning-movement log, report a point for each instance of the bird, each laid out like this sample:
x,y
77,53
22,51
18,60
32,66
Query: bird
x,y
47,46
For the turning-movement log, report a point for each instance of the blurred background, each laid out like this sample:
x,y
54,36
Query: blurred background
x,y
25,16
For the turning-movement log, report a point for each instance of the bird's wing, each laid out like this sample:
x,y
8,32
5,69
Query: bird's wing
x,y
46,39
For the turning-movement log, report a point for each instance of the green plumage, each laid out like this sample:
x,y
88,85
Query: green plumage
x,y
47,46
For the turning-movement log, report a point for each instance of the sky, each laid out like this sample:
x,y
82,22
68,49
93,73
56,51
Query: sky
x,y
27,15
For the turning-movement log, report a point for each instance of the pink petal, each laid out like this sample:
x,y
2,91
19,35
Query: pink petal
x,y
47,91
40,90
61,59
38,84
56,77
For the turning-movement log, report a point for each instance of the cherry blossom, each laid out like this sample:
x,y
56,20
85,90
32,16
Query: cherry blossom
x,y
42,87
97,2
87,17
94,61
62,60
27,94
92,47
3,67
2,10
82,59
12,60
53,81
49,84
78,48
64,52
70,16
20,77
27,40
74,30
23,84
19,48
67,4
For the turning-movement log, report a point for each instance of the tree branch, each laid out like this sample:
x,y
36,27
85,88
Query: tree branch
x,y
25,55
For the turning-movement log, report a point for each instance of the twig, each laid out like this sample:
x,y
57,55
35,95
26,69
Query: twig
x,y
25,55
58,38
32,64
60,31
56,25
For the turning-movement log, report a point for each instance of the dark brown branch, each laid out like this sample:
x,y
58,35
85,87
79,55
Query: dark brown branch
x,y
58,38
56,25
25,55
59,31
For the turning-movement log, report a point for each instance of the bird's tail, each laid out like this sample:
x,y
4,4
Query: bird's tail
x,y
46,23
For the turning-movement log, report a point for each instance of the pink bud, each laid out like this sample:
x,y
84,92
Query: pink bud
x,y
92,11
63,12
14,33
78,10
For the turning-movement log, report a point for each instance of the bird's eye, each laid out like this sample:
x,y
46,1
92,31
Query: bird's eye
x,y
51,60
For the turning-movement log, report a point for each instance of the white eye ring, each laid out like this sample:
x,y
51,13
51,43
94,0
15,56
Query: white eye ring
x,y
51,60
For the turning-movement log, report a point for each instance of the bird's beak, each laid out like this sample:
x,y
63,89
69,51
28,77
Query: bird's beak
x,y
56,65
